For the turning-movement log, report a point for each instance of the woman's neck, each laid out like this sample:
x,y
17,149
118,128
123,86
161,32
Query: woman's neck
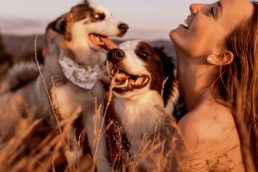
x,y
194,77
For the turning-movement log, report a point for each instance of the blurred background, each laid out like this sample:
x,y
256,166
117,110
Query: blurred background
x,y
22,20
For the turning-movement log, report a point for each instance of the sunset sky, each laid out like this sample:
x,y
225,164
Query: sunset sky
x,y
148,19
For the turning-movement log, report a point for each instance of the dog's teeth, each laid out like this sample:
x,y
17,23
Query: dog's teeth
x,y
124,85
99,39
114,71
138,81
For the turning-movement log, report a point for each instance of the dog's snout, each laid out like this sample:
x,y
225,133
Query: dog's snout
x,y
123,27
115,55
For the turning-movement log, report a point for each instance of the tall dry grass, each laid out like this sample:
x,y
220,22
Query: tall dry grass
x,y
35,147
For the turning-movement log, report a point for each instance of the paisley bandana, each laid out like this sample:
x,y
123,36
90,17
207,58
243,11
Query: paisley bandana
x,y
82,76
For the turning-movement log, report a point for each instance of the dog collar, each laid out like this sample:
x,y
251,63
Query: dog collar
x,y
82,76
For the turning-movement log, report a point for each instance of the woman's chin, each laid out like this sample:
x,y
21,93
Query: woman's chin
x,y
171,34
175,37
175,34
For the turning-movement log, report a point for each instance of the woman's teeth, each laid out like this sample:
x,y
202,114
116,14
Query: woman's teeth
x,y
186,23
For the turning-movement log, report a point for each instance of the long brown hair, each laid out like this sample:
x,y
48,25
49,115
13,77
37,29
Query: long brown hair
x,y
238,83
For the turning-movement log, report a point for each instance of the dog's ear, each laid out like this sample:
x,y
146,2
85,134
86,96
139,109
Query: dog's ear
x,y
169,78
86,2
167,62
59,25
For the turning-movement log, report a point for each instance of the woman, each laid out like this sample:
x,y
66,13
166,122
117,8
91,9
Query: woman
x,y
217,55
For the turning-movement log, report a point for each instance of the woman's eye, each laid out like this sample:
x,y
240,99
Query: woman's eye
x,y
213,11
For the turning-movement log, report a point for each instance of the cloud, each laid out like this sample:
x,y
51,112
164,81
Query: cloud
x,y
22,26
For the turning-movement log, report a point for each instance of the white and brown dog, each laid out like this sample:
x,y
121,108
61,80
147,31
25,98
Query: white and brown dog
x,y
143,81
83,44
71,71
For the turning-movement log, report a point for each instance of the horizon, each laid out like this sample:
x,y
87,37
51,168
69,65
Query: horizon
x,y
149,20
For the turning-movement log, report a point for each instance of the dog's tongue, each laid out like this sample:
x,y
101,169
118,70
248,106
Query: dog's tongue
x,y
102,41
108,43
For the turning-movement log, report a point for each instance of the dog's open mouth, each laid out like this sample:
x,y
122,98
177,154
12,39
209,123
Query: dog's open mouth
x,y
124,81
102,41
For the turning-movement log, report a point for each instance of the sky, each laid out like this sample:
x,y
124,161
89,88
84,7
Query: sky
x,y
147,19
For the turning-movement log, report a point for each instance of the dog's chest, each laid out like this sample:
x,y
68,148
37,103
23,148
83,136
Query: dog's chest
x,y
66,98
139,122
137,119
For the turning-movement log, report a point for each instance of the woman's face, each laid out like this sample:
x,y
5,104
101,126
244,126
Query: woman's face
x,y
207,26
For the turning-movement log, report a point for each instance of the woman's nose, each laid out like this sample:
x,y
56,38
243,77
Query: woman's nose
x,y
194,8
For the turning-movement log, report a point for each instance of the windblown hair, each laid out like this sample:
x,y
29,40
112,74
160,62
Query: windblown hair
x,y
238,82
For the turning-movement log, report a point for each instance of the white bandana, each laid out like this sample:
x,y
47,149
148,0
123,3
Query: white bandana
x,y
82,76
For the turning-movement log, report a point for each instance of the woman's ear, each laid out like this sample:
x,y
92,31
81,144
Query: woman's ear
x,y
223,58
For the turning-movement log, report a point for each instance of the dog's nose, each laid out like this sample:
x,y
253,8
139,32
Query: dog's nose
x,y
115,55
123,27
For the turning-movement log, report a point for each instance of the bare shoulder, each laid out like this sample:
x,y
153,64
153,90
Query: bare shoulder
x,y
209,118
207,134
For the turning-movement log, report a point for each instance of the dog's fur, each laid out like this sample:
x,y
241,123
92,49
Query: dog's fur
x,y
83,38
143,83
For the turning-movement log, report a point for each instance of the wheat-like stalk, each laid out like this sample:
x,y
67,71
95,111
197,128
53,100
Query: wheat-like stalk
x,y
154,155
46,89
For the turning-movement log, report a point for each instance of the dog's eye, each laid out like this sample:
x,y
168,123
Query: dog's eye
x,y
143,55
96,16
143,52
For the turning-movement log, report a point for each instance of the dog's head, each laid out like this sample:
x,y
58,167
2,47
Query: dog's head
x,y
137,67
85,29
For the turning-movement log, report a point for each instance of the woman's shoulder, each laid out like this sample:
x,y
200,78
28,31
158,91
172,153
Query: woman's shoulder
x,y
209,121
207,115
209,132
202,132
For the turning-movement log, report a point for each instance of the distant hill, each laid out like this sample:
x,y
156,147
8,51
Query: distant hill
x,y
167,44
22,44
21,48
25,44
